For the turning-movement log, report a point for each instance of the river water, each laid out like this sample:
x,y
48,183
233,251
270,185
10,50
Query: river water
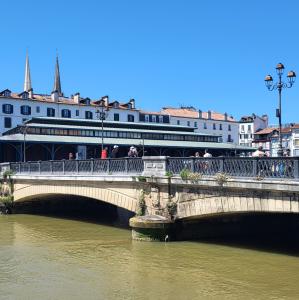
x,y
54,258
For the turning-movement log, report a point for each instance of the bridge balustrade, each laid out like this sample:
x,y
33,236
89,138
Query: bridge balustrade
x,y
84,167
268,167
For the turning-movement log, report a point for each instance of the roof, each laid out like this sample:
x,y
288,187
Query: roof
x,y
194,114
269,130
124,142
62,99
153,113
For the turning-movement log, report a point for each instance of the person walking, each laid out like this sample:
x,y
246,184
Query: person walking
x,y
132,152
114,153
104,153
207,154
259,152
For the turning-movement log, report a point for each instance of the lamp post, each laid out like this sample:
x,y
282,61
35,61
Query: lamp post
x,y
102,113
279,86
24,140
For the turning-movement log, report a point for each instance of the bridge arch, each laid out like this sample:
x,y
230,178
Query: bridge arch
x,y
226,204
29,192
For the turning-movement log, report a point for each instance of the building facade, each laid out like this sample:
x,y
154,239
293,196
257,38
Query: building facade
x,y
28,119
248,126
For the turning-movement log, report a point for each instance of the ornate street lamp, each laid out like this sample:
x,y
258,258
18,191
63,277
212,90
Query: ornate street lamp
x,y
279,86
102,113
24,131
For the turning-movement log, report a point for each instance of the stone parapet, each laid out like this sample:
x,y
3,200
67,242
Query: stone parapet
x,y
154,165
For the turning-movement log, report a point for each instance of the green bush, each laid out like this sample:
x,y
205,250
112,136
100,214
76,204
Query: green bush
x,y
141,205
169,174
185,174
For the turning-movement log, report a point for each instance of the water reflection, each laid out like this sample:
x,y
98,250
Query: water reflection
x,y
55,258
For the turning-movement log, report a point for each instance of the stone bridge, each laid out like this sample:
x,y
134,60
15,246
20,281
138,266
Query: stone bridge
x,y
148,188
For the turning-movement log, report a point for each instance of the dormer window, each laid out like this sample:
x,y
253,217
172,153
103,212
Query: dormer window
x,y
146,118
161,119
116,104
129,105
87,101
25,95
6,93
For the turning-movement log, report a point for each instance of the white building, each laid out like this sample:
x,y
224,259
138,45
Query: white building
x,y
210,122
294,144
248,126
173,131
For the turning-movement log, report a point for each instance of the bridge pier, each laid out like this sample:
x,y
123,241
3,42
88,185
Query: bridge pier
x,y
151,228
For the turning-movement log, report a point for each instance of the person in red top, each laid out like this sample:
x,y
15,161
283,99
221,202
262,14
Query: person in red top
x,y
104,153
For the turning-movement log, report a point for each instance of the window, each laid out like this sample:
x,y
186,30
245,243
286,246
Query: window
x,y
116,104
25,110
249,128
229,127
154,119
25,95
220,126
242,128
188,123
214,126
7,108
7,122
66,113
116,117
50,112
77,113
229,138
160,119
178,122
195,124
205,126
38,109
7,93
88,115
130,118
129,105
146,118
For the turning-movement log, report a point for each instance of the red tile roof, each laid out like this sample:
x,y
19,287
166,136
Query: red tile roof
x,y
192,113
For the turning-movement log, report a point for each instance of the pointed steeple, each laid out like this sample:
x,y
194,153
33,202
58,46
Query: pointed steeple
x,y
57,84
27,81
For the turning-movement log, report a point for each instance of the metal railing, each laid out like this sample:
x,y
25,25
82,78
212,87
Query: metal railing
x,y
83,167
266,167
244,167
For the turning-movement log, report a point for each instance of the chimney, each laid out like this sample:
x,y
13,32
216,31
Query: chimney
x,y
55,96
209,115
106,100
225,117
266,119
77,98
199,114
132,101
30,93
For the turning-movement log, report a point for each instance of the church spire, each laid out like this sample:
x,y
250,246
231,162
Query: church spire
x,y
27,81
57,84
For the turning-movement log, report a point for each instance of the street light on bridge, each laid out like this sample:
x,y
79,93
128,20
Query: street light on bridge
x,y
279,86
102,114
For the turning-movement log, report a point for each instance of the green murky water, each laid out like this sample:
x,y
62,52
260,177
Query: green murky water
x,y
52,258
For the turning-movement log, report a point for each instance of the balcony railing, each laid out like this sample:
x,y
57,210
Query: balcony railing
x,y
242,167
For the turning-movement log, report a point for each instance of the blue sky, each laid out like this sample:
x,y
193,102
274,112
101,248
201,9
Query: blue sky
x,y
208,54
